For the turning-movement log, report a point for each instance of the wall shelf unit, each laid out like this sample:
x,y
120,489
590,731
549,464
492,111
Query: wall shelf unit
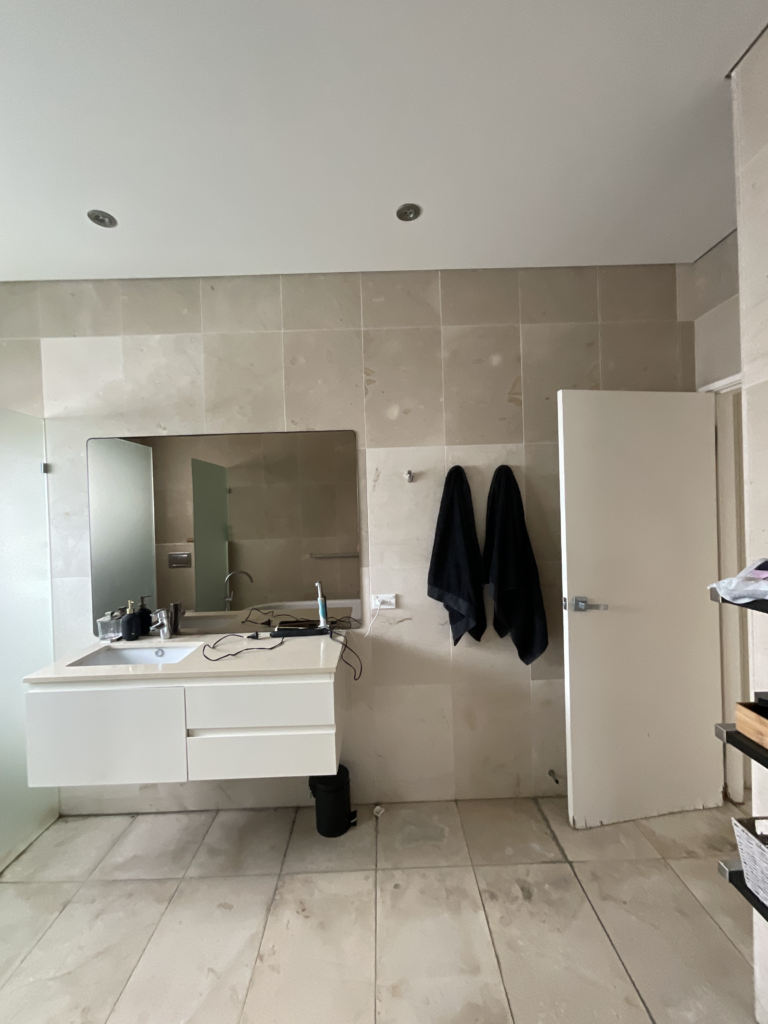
x,y
727,732
732,872
755,606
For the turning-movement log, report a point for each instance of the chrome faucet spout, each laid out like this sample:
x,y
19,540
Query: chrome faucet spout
x,y
228,595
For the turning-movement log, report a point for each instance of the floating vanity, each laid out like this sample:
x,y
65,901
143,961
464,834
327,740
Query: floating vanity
x,y
152,711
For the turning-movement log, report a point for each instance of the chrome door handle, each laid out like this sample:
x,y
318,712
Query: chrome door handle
x,y
581,604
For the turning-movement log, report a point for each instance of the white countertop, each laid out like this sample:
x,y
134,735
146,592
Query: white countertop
x,y
309,655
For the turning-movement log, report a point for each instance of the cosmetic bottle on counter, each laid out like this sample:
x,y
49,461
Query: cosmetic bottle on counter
x,y
130,624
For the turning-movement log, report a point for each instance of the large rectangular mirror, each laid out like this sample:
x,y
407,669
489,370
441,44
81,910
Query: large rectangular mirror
x,y
173,518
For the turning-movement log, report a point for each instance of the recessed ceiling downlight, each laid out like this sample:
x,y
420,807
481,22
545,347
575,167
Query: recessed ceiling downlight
x,y
102,218
408,211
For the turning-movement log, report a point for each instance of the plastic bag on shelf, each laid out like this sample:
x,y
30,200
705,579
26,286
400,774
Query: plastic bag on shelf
x,y
750,585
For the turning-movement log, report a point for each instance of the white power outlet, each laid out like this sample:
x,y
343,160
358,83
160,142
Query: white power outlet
x,y
381,602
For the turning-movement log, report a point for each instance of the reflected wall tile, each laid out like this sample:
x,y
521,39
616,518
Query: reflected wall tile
x,y
409,298
21,376
714,278
83,377
483,385
317,507
19,317
542,499
479,297
412,643
414,745
555,357
79,308
551,295
324,380
164,383
402,515
231,304
280,457
687,336
72,616
403,387
480,462
320,301
243,380
161,305
548,737
640,356
638,292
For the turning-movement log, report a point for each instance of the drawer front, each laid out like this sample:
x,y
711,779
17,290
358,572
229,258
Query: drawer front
x,y
261,753
256,705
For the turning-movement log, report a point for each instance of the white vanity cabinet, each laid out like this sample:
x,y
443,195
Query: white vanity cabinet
x,y
191,720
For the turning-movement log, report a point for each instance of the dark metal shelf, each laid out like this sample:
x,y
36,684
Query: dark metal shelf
x,y
732,872
755,606
727,732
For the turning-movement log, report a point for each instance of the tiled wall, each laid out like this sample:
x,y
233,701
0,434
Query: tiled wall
x,y
431,369
750,117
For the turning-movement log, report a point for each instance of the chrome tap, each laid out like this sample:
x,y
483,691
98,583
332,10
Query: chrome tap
x,y
229,597
160,624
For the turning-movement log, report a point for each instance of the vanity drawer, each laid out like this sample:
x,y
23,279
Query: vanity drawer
x,y
250,705
261,753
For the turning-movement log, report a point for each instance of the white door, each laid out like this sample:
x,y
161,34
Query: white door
x,y
639,525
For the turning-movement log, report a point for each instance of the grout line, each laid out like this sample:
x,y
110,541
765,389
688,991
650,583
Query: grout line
x,y
204,837
485,913
117,840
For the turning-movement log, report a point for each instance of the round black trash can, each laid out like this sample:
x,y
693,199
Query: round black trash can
x,y
333,809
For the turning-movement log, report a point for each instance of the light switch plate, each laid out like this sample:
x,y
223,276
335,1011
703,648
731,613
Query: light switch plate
x,y
383,601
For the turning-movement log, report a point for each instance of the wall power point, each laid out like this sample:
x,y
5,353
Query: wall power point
x,y
381,602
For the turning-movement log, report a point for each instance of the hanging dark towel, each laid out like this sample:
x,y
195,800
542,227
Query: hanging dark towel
x,y
456,570
510,569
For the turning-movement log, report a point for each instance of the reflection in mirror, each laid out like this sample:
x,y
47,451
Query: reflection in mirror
x,y
221,522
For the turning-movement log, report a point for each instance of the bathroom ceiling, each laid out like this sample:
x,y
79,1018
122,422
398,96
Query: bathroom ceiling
x,y
266,136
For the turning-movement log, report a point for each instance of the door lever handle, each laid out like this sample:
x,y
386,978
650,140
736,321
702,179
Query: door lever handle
x,y
581,604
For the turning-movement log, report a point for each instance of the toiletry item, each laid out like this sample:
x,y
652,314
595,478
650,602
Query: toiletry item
x,y
145,616
130,624
108,627
322,608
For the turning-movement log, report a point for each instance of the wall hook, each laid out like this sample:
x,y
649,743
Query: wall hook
x,y
409,475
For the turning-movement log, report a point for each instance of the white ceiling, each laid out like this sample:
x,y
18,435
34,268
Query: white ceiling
x,y
264,136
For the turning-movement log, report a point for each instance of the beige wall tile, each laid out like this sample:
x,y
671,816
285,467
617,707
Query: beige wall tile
x,y
542,499
715,276
161,305
480,462
19,316
243,375
164,384
555,357
79,308
21,376
414,744
717,343
640,292
550,665
412,643
751,82
403,387
640,356
479,297
84,377
321,301
551,295
687,341
483,385
548,737
402,515
401,299
232,304
324,380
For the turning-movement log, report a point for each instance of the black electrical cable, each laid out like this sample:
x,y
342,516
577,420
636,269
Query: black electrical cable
x,y
356,672
234,654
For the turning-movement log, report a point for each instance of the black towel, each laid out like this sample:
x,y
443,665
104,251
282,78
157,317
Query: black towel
x,y
456,570
510,569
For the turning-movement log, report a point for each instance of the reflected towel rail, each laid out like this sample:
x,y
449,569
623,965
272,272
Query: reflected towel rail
x,y
338,554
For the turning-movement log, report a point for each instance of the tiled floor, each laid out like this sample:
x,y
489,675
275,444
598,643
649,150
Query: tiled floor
x,y
481,912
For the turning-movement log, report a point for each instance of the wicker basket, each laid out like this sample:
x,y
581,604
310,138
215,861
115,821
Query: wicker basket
x,y
753,850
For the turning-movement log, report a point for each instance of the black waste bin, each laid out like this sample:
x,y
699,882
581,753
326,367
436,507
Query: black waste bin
x,y
333,810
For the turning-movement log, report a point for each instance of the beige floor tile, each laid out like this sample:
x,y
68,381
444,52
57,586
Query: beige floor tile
x,y
506,832
704,833
623,841
421,835
309,851
435,958
685,968
316,962
157,846
557,963
719,899
78,969
26,910
199,962
69,850
244,843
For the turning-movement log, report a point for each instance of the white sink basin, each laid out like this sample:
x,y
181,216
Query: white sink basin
x,y
136,655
